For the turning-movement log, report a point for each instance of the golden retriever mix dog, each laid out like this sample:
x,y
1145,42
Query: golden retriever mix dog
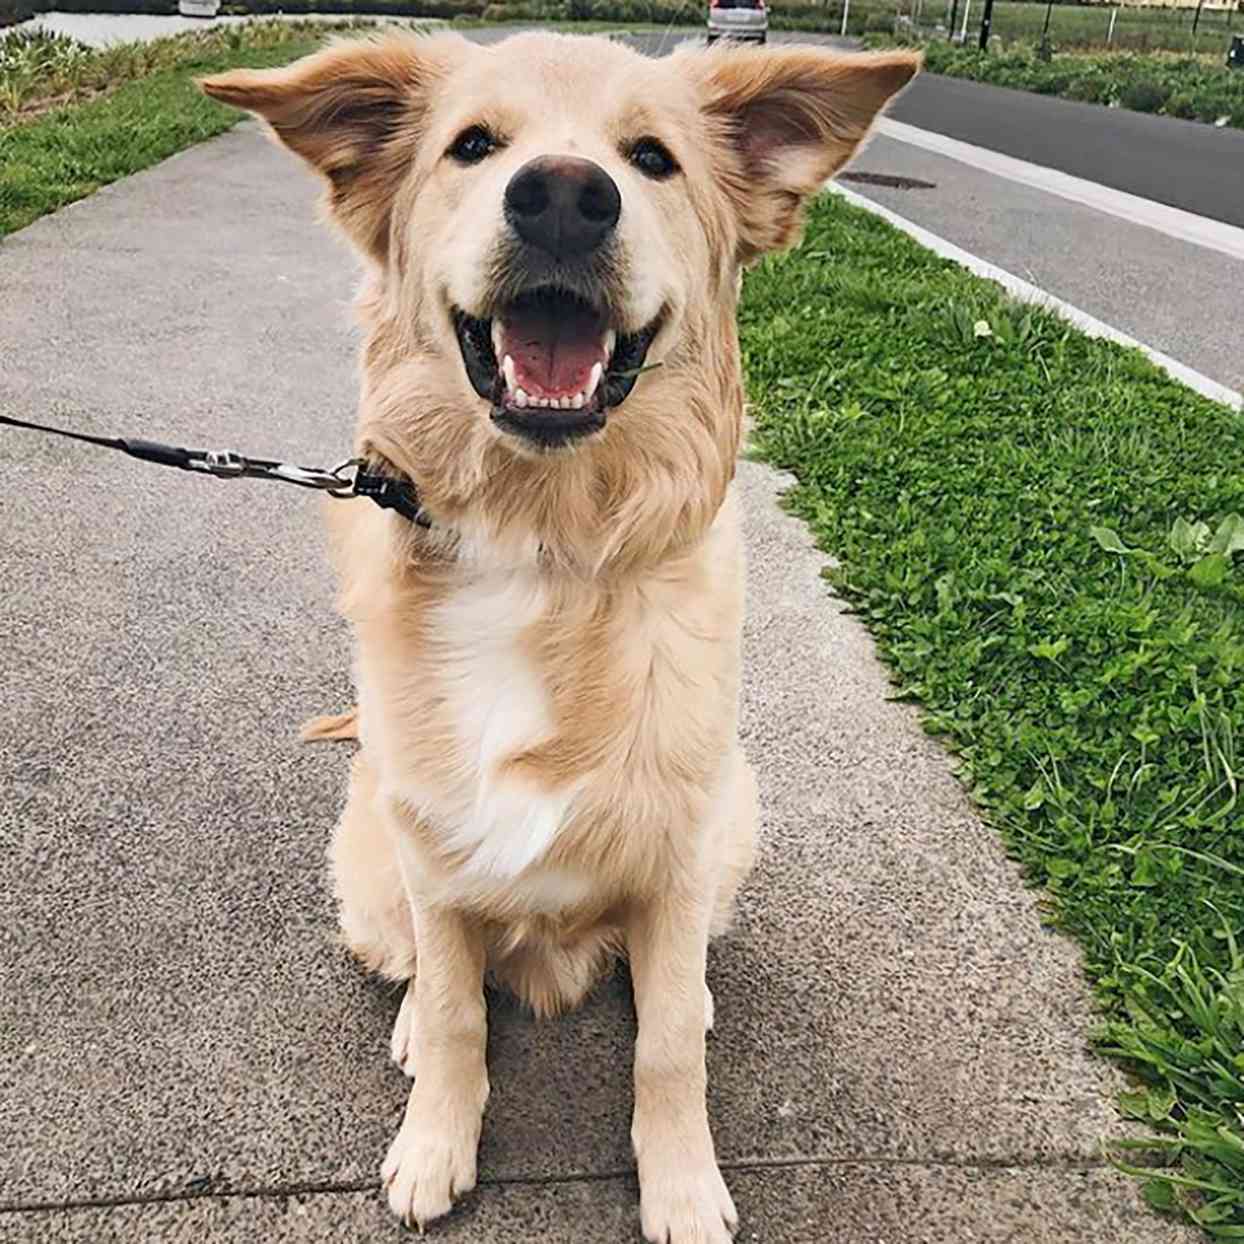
x,y
548,674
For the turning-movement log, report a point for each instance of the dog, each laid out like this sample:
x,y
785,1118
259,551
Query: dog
x,y
549,776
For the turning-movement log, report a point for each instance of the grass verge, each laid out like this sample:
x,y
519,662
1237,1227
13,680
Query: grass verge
x,y
79,119
1044,534
1137,27
1192,88
74,118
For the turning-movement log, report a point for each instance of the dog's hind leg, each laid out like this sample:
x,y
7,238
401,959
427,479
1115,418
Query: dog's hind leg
x,y
553,977
374,913
736,856
331,726
737,850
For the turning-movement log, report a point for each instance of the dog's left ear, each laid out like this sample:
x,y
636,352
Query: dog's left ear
x,y
354,112
785,121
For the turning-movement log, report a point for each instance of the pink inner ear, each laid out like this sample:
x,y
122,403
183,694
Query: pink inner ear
x,y
768,129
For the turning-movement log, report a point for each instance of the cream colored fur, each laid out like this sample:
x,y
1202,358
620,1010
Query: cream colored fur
x,y
549,773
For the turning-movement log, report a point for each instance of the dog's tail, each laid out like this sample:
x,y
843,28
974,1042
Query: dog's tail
x,y
331,727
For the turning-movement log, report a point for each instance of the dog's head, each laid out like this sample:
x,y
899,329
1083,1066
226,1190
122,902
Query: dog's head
x,y
556,227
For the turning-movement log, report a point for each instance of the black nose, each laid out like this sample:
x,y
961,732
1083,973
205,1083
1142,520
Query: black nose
x,y
563,205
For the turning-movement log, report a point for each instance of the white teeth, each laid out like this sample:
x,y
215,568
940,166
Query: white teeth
x,y
519,397
593,381
611,340
496,338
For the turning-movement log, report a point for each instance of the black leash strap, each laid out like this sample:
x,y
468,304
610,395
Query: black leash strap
x,y
387,491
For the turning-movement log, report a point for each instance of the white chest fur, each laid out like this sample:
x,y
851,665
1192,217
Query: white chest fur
x,y
495,704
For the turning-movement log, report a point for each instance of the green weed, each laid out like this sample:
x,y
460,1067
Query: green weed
x,y
78,119
1194,88
1044,534
39,69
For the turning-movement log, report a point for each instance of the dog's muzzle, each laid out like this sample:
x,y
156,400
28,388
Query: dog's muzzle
x,y
554,357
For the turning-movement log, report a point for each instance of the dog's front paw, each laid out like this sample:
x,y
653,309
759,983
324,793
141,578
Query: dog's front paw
x,y
685,1203
431,1161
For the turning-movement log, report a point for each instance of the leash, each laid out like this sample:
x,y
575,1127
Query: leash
x,y
352,478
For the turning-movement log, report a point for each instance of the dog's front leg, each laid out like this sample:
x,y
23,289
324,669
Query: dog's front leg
x,y
683,1198
432,1159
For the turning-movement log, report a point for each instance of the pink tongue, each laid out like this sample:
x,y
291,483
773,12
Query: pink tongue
x,y
553,350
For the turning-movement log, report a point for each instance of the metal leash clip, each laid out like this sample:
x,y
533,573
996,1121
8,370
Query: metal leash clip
x,y
389,492
346,486
330,482
224,463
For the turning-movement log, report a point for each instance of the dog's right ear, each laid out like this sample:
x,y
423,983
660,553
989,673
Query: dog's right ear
x,y
784,120
354,112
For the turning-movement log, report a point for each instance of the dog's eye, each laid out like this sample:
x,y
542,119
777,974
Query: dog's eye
x,y
473,145
653,159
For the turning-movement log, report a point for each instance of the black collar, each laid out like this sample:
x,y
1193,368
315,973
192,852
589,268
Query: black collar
x,y
390,492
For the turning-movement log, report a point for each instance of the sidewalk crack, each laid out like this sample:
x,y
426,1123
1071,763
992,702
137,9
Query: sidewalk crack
x,y
738,1166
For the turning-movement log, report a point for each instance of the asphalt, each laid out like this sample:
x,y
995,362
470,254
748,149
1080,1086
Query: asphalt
x,y
1185,164
900,1051
1179,298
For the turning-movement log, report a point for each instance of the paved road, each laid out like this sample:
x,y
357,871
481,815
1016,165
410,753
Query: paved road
x,y
1179,298
185,1055
103,29
1182,163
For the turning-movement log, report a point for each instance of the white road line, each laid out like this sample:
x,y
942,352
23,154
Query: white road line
x,y
1173,221
1030,293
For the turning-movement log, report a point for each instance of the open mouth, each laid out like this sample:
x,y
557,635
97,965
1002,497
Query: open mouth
x,y
551,364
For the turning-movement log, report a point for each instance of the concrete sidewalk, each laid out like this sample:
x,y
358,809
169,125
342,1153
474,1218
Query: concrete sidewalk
x,y
99,30
900,1047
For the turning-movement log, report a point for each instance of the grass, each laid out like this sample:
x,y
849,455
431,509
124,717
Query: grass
x,y
567,26
1044,534
1089,25
77,119
73,118
1071,25
1192,88
1135,28
39,70
1149,28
